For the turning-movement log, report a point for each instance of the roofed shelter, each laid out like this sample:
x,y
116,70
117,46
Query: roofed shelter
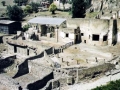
x,y
47,21
9,27
47,26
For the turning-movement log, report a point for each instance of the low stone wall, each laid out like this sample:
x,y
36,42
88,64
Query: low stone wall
x,y
7,83
92,72
4,63
40,83
34,68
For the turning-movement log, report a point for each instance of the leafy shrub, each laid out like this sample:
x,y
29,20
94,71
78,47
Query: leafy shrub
x,y
112,85
25,27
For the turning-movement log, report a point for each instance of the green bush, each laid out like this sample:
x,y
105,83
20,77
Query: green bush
x,y
34,6
28,9
52,8
25,27
14,13
113,85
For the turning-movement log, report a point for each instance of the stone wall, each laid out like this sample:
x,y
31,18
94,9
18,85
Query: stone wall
x,y
4,63
10,48
90,27
118,31
8,83
22,51
40,83
38,70
89,73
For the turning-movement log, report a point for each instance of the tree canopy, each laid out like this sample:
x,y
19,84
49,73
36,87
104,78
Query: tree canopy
x,y
3,3
52,8
34,6
19,2
28,9
15,13
78,8
25,27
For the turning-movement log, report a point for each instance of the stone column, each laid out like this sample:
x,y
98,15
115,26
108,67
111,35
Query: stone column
x,y
45,54
62,59
96,59
56,33
86,60
53,50
76,76
67,63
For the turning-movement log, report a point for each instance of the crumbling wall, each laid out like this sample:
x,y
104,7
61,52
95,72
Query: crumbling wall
x,y
7,83
115,32
35,67
40,83
22,69
81,74
22,51
89,27
5,63
118,30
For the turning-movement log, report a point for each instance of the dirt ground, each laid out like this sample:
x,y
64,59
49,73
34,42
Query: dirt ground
x,y
88,55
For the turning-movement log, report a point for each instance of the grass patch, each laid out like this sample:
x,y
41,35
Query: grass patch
x,y
113,85
47,13
57,13
91,15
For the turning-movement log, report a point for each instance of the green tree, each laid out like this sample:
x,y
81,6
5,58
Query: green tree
x,y
25,1
14,13
20,2
28,9
78,8
25,27
34,6
52,8
3,3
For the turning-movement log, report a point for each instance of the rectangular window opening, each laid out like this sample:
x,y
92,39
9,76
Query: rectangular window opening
x,y
104,38
82,34
95,37
67,35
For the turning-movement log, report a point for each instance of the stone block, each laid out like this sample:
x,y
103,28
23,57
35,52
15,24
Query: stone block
x,y
49,35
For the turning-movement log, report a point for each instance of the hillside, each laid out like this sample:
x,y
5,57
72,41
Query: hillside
x,y
8,2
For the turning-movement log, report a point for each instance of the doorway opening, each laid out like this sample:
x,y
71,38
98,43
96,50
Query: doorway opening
x,y
104,38
15,49
28,52
84,41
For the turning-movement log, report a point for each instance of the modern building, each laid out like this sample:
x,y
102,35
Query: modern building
x,y
9,27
